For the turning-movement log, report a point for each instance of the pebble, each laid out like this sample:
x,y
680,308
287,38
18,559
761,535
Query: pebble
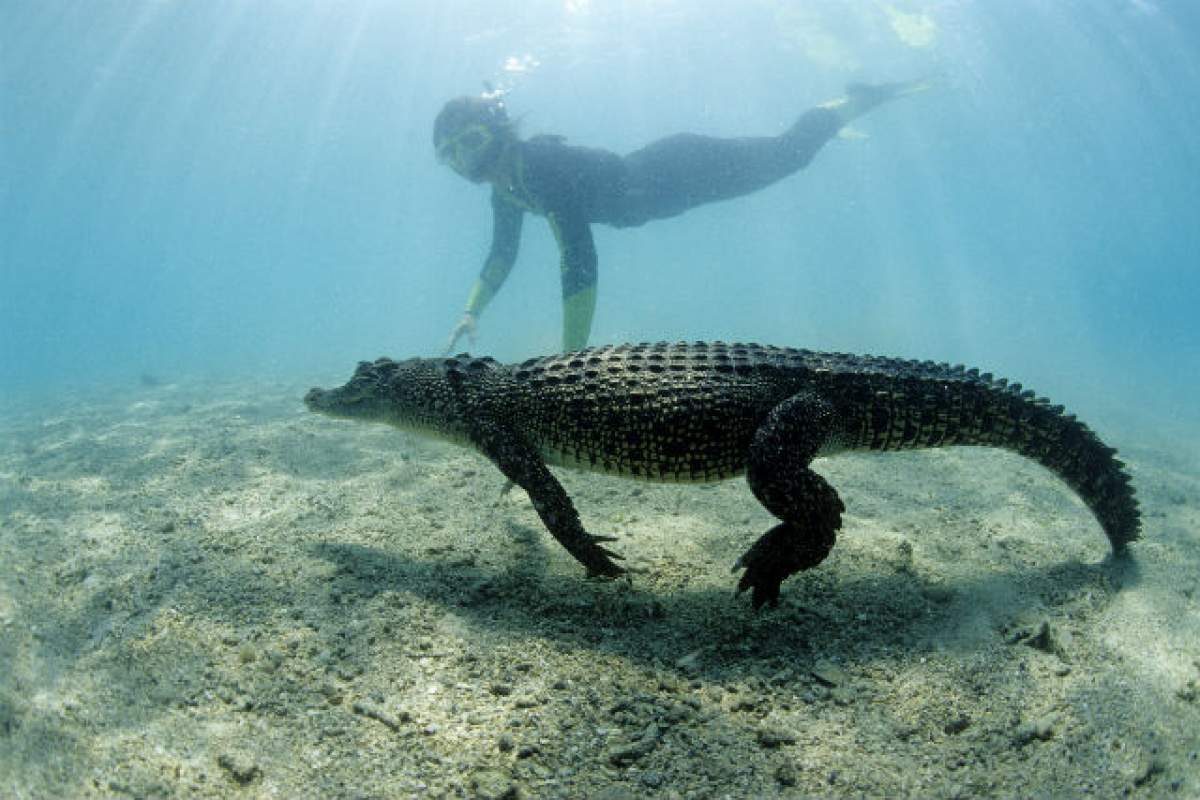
x,y
828,672
746,704
1049,640
690,662
957,725
770,736
652,779
273,660
239,767
1150,769
783,677
493,785
379,715
787,774
623,755
1041,729
615,793
842,695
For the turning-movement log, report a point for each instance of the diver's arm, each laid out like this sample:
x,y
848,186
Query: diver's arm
x,y
507,218
506,238
578,264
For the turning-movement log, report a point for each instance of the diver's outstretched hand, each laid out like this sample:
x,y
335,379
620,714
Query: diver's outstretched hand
x,y
466,325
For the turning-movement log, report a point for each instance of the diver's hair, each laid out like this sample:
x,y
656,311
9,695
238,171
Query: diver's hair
x,y
463,111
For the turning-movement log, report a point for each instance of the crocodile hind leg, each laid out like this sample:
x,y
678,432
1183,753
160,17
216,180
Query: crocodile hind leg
x,y
524,466
810,509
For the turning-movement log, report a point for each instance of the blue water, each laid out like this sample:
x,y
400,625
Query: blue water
x,y
226,188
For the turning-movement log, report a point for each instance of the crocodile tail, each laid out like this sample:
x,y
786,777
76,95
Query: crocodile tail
x,y
1018,420
936,405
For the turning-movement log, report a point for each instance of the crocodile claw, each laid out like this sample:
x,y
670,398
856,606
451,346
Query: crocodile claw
x,y
599,562
779,553
764,580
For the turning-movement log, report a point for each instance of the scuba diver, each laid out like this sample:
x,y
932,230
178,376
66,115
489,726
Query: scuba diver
x,y
573,187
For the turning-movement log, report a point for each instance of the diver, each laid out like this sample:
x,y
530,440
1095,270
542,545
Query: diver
x,y
573,187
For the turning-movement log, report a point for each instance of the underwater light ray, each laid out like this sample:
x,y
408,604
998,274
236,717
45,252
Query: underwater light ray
x,y
72,144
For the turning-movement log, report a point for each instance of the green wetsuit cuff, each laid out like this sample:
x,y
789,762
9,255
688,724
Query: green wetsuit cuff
x,y
481,295
578,310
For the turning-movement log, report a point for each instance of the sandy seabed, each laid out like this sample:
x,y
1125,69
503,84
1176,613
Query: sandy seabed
x,y
206,591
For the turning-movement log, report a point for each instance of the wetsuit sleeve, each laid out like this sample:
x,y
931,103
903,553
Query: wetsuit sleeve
x,y
577,254
507,218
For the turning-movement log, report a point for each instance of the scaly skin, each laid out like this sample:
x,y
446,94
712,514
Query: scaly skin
x,y
711,411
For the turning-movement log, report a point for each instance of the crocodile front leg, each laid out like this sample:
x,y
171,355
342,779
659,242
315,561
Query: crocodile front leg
x,y
810,509
523,465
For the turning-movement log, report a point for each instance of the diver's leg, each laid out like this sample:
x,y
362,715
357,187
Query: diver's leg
x,y
817,126
863,97
680,172
578,266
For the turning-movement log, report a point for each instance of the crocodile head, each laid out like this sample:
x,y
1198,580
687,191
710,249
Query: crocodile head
x,y
414,395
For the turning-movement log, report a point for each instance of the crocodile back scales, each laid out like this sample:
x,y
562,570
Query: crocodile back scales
x,y
688,412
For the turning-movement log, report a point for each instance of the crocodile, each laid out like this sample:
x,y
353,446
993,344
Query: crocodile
x,y
700,412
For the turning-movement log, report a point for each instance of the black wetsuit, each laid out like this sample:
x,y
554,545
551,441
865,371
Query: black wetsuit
x,y
574,187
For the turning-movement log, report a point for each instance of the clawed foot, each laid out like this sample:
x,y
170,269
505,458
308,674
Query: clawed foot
x,y
599,559
780,552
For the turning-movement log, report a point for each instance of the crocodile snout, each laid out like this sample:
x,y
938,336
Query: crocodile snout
x,y
315,399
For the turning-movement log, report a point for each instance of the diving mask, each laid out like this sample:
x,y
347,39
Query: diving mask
x,y
465,151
